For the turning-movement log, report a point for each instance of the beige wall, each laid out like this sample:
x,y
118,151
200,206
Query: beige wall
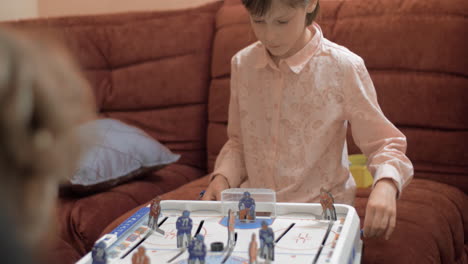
x,y
80,7
18,9
21,9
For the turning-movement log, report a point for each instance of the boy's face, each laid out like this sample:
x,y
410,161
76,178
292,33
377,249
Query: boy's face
x,y
281,29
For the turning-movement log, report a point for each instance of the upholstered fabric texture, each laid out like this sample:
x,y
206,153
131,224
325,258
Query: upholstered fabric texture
x,y
150,70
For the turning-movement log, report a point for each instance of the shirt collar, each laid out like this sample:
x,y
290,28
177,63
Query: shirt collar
x,y
298,61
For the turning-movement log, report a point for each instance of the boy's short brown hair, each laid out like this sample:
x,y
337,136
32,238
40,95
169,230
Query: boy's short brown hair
x,y
260,7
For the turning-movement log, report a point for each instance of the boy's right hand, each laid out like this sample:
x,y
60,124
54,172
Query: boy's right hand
x,y
217,185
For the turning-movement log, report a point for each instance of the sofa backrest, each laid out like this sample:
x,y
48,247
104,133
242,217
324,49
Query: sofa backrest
x,y
415,51
150,69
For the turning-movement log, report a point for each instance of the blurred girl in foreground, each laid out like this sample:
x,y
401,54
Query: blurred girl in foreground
x,y
42,97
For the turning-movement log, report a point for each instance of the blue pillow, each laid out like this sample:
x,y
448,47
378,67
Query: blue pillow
x,y
116,152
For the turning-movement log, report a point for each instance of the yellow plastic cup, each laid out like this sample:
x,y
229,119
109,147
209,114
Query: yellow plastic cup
x,y
359,170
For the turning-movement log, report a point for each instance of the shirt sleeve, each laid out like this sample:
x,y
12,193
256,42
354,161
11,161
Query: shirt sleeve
x,y
230,161
382,143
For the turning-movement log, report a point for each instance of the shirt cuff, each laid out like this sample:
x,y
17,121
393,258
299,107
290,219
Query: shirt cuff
x,y
230,172
387,171
213,175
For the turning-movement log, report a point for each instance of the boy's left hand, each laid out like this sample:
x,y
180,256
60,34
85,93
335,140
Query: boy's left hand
x,y
381,210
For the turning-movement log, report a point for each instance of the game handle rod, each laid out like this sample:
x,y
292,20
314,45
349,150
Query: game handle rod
x,y
285,232
199,228
330,225
202,222
231,249
182,250
144,238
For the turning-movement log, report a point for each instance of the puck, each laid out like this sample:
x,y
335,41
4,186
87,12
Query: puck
x,y
217,246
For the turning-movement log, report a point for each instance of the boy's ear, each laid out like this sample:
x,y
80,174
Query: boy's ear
x,y
311,6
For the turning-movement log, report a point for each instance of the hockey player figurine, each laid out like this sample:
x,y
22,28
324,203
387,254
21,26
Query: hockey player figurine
x,y
197,250
267,242
326,200
99,253
253,249
246,208
184,229
140,256
155,211
231,227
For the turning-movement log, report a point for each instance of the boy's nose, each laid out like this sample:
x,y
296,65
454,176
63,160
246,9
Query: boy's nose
x,y
270,38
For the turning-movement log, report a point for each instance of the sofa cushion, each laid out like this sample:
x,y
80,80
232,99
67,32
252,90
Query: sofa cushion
x,y
60,250
148,69
432,222
412,51
114,153
82,220
432,225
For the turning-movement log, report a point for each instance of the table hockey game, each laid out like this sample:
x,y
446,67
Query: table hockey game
x,y
301,234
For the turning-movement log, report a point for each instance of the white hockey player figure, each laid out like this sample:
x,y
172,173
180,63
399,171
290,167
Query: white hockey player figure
x,y
231,227
253,250
326,200
155,211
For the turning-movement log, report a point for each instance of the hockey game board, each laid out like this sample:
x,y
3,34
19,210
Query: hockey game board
x,y
309,240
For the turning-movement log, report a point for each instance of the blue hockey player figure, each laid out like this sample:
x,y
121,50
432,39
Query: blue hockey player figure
x,y
267,242
99,253
184,229
326,200
246,208
197,250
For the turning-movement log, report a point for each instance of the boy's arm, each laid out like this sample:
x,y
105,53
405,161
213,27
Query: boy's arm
x,y
382,143
385,147
230,161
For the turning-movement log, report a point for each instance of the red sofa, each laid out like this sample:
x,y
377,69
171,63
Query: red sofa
x,y
168,73
148,69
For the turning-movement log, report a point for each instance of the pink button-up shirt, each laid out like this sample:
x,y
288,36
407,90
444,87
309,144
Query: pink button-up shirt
x,y
287,124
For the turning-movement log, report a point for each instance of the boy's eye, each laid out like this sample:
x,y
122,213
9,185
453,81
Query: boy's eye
x,y
258,21
282,22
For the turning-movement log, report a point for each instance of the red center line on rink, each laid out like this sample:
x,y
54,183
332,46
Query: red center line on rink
x,y
171,239
304,249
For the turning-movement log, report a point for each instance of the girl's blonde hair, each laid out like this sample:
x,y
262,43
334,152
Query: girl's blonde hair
x,y
42,97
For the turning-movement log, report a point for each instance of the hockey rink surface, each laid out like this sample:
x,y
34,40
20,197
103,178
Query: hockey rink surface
x,y
300,244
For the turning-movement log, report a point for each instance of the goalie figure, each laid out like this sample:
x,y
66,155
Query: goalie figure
x,y
246,208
